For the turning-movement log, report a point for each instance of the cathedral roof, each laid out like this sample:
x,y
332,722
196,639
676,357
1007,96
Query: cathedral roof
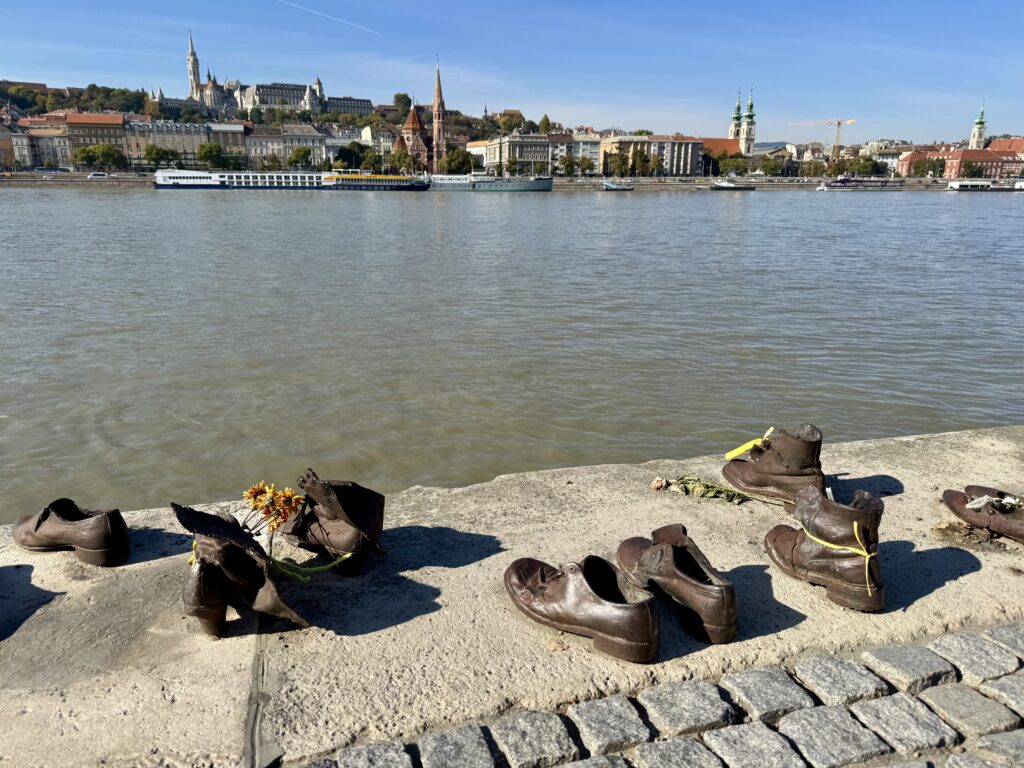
x,y
413,122
398,145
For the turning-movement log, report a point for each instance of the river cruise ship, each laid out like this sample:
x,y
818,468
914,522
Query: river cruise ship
x,y
483,182
969,186
849,182
335,180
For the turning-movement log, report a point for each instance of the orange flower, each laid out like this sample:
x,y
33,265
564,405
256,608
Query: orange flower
x,y
254,493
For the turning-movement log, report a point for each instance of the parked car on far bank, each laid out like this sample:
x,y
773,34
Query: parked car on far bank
x,y
97,175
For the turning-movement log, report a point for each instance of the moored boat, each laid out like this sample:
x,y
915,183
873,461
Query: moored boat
x,y
611,186
335,180
850,183
484,182
974,185
730,186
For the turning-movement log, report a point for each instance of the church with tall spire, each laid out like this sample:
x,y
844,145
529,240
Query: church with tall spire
x,y
977,140
746,132
438,129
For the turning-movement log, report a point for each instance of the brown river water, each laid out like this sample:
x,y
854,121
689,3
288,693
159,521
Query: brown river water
x,y
180,345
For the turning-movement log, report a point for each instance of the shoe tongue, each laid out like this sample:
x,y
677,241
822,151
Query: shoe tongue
x,y
670,534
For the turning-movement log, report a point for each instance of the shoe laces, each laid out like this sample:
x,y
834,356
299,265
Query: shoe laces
x,y
760,442
863,551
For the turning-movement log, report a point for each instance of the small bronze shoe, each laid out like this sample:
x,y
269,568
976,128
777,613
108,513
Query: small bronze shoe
x,y
585,599
670,559
97,537
230,568
340,517
1002,513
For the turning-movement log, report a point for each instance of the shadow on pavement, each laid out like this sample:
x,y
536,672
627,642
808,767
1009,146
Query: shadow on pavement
x,y
843,487
909,574
383,595
19,598
154,543
758,612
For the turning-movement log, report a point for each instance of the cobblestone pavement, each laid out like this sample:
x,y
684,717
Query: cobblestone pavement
x,y
954,701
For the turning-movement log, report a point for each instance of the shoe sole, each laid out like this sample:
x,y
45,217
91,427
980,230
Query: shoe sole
x,y
839,592
105,558
691,620
638,653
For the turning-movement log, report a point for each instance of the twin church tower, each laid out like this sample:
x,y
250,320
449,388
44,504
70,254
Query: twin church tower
x,y
742,125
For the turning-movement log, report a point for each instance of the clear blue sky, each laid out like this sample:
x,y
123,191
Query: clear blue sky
x,y
903,69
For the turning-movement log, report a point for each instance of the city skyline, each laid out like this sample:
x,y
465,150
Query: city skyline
x,y
662,75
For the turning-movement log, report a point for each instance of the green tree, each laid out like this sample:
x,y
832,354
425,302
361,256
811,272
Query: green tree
x,y
618,165
271,163
256,116
371,161
866,166
643,132
641,162
737,165
935,166
971,170
656,166
152,109
401,160
300,157
85,156
542,168
772,166
508,124
211,155
404,103
813,168
158,156
586,165
567,165
457,161
544,126
241,114
511,166
102,155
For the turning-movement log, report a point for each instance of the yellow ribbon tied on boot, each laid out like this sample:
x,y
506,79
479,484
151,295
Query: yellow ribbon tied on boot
x,y
756,443
863,551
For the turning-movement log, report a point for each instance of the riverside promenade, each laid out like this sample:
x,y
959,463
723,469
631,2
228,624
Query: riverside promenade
x,y
424,650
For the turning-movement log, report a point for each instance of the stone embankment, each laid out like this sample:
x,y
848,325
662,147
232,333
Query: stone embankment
x,y
425,656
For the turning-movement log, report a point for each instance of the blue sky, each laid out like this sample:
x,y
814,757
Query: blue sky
x,y
917,70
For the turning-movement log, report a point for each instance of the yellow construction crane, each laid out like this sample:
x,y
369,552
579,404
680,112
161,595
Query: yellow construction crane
x,y
839,126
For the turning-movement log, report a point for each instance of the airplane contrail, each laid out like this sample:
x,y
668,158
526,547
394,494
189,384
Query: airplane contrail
x,y
332,18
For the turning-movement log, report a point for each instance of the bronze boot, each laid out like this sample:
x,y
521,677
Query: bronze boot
x,y
205,596
780,466
340,517
837,548
670,558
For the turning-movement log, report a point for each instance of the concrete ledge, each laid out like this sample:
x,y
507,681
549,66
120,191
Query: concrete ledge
x,y
101,667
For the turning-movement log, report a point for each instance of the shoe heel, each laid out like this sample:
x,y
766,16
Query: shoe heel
x,y
212,620
718,635
620,649
105,558
856,599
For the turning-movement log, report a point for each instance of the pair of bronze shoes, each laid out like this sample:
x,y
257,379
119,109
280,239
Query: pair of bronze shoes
x,y
97,537
231,569
585,598
990,509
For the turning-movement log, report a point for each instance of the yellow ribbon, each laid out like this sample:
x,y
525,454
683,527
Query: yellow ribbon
x,y
192,558
863,551
747,446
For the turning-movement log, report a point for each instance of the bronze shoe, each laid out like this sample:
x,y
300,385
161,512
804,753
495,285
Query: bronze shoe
x,y
836,548
1003,514
340,517
585,599
670,559
780,467
230,568
97,537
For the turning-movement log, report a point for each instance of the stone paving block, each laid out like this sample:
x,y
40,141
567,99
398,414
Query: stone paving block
x,y
967,760
682,752
690,707
1002,748
607,725
1011,637
904,722
1007,690
829,737
910,668
383,755
836,680
752,745
766,693
534,740
323,762
464,747
608,761
977,659
968,711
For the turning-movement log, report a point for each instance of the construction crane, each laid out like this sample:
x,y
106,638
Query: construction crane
x,y
839,126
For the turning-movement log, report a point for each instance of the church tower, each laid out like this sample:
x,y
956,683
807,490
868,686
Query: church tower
x,y
438,123
193,71
978,131
746,136
737,119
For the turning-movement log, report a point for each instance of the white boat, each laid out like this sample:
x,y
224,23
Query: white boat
x,y
483,182
335,180
1018,186
969,186
730,186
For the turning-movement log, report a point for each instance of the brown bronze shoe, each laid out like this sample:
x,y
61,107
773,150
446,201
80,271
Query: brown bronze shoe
x,y
230,568
585,599
836,548
97,537
670,559
340,517
780,466
993,510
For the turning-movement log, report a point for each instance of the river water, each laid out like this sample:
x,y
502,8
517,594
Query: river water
x,y
180,345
